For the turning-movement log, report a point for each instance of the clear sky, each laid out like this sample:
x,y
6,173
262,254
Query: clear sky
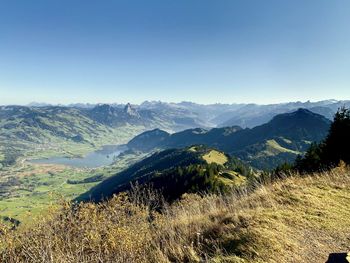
x,y
263,51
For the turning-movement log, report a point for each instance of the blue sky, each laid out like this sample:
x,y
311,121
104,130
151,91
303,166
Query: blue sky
x,y
173,50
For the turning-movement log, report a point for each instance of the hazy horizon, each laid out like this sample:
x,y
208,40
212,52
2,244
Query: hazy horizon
x,y
169,102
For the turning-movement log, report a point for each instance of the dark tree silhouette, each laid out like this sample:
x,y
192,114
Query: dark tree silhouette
x,y
337,144
332,150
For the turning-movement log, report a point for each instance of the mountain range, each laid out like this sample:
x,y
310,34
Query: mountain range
x,y
75,130
213,160
265,146
223,115
78,128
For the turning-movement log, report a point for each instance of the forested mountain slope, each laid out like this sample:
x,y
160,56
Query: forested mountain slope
x,y
175,172
264,146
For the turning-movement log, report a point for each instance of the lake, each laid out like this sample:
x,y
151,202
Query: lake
x,y
105,156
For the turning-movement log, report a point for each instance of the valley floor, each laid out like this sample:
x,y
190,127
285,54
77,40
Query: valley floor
x,y
297,219
28,190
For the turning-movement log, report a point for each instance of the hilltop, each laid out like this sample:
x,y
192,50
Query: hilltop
x,y
174,172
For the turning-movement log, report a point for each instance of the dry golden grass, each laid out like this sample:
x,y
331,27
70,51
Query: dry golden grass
x,y
215,157
297,219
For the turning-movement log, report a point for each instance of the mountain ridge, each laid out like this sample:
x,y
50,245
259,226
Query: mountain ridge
x,y
290,133
222,115
24,128
175,172
69,130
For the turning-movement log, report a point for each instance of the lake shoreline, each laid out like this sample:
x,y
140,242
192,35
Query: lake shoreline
x,y
97,158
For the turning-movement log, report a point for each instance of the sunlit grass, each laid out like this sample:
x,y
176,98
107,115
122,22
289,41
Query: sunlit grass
x,y
297,219
215,157
272,148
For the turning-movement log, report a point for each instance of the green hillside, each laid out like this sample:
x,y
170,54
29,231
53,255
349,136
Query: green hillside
x,y
34,132
264,147
38,132
175,172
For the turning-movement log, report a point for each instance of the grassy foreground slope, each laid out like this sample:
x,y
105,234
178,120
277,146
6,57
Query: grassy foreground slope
x,y
297,219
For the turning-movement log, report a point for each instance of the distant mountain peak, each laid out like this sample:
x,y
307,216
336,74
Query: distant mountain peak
x,y
303,111
300,113
104,107
128,109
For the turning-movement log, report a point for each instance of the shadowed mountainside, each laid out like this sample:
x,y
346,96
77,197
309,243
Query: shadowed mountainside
x,y
175,172
265,146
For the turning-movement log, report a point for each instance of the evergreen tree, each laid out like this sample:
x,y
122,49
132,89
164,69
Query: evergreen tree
x,y
337,144
332,150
